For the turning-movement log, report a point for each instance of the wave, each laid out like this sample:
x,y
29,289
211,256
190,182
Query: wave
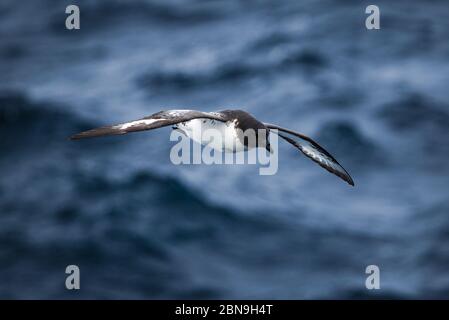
x,y
100,15
383,294
416,111
308,58
150,192
351,145
25,123
185,80
424,123
229,73
273,40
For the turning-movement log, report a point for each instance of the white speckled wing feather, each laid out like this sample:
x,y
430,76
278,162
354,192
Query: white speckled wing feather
x,y
155,121
314,151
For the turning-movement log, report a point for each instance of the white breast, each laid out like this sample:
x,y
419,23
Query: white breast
x,y
213,133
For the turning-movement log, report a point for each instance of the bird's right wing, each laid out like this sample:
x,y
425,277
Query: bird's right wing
x,y
313,150
155,121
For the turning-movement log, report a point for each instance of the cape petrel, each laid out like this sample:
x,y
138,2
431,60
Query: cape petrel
x,y
227,122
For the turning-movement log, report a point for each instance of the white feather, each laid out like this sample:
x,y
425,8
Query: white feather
x,y
127,125
228,141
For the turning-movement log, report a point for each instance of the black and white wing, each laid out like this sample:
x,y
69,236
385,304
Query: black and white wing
x,y
155,121
314,151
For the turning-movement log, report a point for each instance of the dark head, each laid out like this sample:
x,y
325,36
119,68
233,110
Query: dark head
x,y
246,123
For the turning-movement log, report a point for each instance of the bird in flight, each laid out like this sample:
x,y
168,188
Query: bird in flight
x,y
231,124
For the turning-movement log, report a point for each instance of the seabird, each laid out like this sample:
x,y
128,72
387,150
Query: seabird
x,y
227,122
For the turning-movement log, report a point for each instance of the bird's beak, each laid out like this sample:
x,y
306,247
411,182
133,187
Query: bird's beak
x,y
268,147
179,130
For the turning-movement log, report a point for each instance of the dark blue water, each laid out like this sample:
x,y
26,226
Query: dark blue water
x,y
140,227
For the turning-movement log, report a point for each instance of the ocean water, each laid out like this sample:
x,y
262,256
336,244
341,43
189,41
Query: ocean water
x,y
140,227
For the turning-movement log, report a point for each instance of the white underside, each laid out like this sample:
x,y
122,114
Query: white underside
x,y
216,134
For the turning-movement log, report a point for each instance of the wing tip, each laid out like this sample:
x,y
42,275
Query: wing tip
x,y
99,132
350,181
73,137
77,136
344,176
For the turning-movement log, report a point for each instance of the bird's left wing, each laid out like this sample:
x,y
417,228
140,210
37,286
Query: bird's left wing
x,y
313,151
155,121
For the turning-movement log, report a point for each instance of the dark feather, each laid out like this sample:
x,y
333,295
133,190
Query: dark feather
x,y
314,151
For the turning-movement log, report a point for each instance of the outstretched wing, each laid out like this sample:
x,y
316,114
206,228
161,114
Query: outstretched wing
x,y
314,151
155,121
